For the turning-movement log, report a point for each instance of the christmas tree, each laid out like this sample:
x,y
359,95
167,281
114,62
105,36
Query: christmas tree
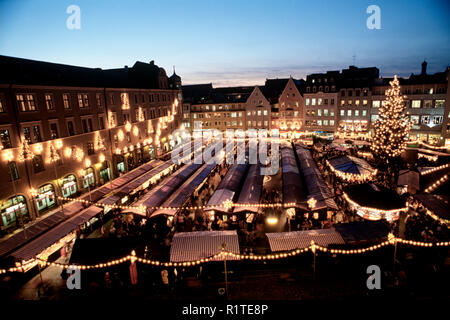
x,y
392,125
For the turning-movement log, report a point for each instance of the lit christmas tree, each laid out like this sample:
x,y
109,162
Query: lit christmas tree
x,y
392,126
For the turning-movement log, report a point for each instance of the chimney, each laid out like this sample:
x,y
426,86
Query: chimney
x,y
424,68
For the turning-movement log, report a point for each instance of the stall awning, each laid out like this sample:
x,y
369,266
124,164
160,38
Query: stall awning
x,y
354,232
437,204
41,243
285,241
192,246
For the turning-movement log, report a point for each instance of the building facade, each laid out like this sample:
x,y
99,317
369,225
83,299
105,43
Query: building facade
x,y
65,129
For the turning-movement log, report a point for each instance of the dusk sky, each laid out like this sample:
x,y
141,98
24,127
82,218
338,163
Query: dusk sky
x,y
231,42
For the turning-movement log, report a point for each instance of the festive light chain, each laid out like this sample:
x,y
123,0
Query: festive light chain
x,y
435,169
226,204
429,145
274,256
373,209
427,156
351,176
436,184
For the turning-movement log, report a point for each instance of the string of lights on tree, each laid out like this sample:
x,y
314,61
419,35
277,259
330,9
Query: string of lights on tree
x,y
392,240
392,125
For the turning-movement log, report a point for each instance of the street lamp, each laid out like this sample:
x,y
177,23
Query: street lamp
x,y
312,203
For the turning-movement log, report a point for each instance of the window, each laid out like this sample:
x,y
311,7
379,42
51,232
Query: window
x,y
101,122
98,98
364,113
2,108
439,103
332,101
83,100
111,98
356,113
415,119
49,102
319,122
319,112
70,128
38,164
437,120
349,102
427,103
325,122
331,122
350,93
373,117
364,102
349,113
415,104
375,104
13,173
37,133
357,103
265,112
53,131
342,102
325,112
27,135
342,112
26,102
319,101
357,93
313,101
5,138
307,102
425,119
66,101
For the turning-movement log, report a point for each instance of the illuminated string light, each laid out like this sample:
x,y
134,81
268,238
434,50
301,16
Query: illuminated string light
x,y
392,240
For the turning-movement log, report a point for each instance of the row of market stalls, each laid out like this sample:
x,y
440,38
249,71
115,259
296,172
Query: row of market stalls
x,y
62,228
316,188
192,246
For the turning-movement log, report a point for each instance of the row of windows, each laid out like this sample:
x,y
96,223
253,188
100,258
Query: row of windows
x,y
225,123
27,102
258,123
439,103
214,107
155,97
416,119
319,122
320,113
356,113
320,89
258,113
408,91
357,102
357,93
319,101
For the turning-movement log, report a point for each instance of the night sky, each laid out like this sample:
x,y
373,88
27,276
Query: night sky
x,y
231,42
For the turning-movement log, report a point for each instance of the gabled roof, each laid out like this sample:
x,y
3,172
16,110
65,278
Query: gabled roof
x,y
273,88
32,72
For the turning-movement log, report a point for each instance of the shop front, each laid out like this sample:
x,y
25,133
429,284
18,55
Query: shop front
x,y
89,178
45,198
69,185
104,173
120,163
14,212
